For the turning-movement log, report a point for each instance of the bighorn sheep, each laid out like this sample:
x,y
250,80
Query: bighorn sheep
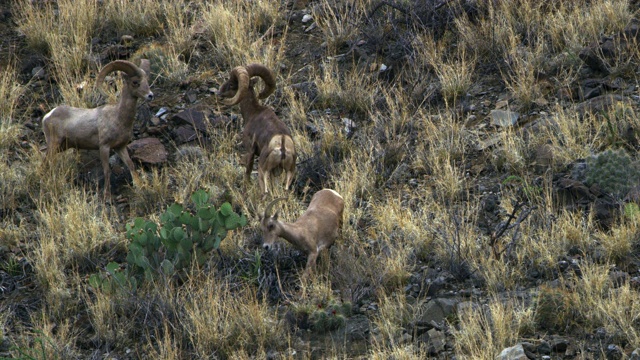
x,y
264,134
103,128
314,230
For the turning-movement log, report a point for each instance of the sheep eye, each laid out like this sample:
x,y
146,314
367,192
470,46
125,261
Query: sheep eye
x,y
136,83
270,227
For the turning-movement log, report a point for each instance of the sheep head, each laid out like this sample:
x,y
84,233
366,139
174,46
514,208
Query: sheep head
x,y
136,78
240,85
269,225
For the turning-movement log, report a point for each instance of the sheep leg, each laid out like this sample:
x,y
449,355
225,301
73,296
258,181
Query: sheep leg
x,y
263,179
248,162
289,180
104,159
124,155
311,262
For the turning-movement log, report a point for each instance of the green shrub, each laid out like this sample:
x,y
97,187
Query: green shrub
x,y
116,277
181,237
322,317
613,171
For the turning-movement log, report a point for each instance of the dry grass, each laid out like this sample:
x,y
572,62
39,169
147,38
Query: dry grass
x,y
414,197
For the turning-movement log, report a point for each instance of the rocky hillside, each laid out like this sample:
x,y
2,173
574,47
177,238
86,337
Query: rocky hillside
x,y
487,154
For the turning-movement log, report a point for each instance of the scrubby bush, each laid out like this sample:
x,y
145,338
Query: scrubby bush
x,y
614,171
181,237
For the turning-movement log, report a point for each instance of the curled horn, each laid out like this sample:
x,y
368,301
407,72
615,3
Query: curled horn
x,y
239,75
127,67
266,75
267,210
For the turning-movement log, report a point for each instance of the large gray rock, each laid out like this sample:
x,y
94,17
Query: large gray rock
x,y
436,311
513,353
198,117
148,150
504,118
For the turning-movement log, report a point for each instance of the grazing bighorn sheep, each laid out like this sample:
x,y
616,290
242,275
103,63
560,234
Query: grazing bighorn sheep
x,y
264,134
314,230
103,128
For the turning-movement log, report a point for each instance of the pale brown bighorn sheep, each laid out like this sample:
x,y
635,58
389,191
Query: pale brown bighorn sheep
x,y
264,134
103,128
314,230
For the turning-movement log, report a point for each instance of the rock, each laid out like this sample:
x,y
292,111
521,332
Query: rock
x,y
38,73
544,155
126,40
600,104
613,352
504,118
618,278
184,134
198,117
559,345
513,353
436,342
635,355
592,54
192,96
436,311
308,89
544,348
357,327
306,18
148,150
467,306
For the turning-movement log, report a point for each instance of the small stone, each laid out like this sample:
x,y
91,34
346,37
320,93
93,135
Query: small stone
x,y
306,18
38,73
126,40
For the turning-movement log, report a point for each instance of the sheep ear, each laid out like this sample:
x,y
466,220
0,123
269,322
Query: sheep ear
x,y
275,216
145,66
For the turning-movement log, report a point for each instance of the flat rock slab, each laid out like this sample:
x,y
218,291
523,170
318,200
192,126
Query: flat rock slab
x,y
504,118
148,150
184,134
200,118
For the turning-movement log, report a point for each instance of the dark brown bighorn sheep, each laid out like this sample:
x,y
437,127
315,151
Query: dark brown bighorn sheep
x,y
264,134
314,230
103,128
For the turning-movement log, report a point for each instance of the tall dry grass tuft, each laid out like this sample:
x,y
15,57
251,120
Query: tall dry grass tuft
x,y
339,21
455,69
440,155
11,92
140,18
75,232
222,320
50,339
238,34
605,302
393,313
354,90
166,346
67,36
484,331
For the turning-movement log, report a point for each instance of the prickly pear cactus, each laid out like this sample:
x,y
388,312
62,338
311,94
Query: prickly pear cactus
x,y
181,237
614,171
